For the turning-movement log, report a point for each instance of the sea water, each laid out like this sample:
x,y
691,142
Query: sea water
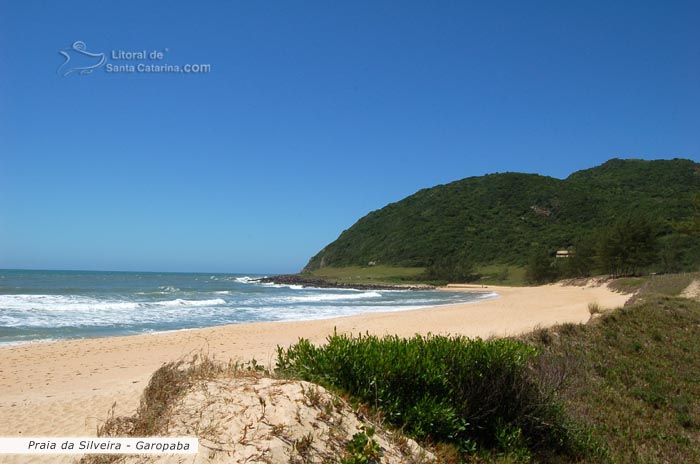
x,y
51,305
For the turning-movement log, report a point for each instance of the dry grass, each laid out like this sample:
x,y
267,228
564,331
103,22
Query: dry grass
x,y
166,385
594,308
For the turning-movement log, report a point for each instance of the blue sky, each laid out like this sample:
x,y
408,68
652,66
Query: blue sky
x,y
313,114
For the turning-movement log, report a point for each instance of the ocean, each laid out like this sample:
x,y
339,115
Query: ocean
x,y
52,305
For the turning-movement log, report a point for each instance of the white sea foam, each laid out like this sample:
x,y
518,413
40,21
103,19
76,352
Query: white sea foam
x,y
486,296
181,302
28,342
256,280
61,303
111,313
71,311
80,303
168,289
290,286
313,312
163,305
316,298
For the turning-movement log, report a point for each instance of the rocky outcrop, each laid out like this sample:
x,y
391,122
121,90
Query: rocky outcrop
x,y
296,279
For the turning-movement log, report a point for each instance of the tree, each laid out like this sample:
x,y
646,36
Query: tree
x,y
628,246
581,263
540,268
455,267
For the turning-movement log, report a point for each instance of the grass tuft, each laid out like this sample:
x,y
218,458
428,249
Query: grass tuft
x,y
594,308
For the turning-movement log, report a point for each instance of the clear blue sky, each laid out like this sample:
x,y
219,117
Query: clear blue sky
x,y
314,113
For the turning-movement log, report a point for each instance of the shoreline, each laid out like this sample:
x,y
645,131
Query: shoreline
x,y
388,309
67,387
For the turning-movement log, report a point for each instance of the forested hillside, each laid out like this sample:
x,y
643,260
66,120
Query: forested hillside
x,y
508,218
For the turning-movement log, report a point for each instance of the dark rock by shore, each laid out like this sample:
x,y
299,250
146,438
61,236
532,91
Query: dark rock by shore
x,y
295,279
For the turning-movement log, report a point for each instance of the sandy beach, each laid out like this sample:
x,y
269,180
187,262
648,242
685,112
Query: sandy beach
x,y
67,388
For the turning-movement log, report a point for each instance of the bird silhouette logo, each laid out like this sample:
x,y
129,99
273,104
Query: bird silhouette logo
x,y
79,60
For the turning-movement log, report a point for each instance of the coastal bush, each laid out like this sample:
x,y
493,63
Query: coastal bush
x,y
446,389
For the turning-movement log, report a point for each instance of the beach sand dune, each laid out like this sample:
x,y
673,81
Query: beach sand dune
x,y
246,417
68,388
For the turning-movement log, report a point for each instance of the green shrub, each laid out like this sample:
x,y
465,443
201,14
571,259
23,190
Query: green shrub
x,y
449,389
363,448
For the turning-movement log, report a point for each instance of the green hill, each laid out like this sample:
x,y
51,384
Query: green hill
x,y
504,218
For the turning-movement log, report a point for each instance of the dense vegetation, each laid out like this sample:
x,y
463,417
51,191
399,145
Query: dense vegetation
x,y
513,219
471,394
